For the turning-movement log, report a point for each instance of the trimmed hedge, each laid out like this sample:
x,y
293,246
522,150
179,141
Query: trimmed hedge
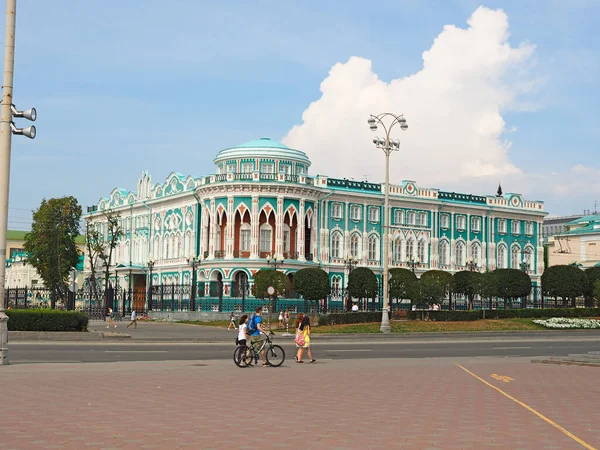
x,y
46,320
349,317
456,316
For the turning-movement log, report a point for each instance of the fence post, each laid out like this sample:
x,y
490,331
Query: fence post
x,y
3,335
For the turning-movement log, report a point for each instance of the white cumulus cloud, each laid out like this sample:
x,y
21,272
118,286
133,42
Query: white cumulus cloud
x,y
453,106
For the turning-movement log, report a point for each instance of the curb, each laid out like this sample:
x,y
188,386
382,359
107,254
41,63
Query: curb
x,y
64,336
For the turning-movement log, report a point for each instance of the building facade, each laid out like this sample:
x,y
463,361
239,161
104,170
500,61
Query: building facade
x,y
578,244
261,201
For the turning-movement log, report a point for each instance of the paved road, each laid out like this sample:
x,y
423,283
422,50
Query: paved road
x,y
509,346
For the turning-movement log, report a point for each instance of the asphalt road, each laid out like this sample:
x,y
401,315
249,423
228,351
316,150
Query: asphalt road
x,y
86,352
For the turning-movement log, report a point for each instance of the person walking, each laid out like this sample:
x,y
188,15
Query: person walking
x,y
242,337
303,338
232,322
281,319
286,318
109,318
133,320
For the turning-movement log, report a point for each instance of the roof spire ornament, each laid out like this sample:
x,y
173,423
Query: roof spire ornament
x,y
499,192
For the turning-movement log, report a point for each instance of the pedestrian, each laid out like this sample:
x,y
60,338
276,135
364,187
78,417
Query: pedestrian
x,y
286,318
133,320
109,318
303,339
242,337
355,307
281,319
232,321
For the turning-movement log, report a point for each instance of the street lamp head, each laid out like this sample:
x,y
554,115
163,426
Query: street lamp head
x,y
29,131
404,126
372,123
376,140
396,143
402,120
382,141
417,260
29,114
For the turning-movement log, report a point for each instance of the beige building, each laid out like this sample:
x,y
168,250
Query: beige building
x,y
579,244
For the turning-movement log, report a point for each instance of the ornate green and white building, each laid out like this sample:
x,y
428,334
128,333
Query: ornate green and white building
x,y
262,200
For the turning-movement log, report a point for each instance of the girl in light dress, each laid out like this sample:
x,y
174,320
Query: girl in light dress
x,y
303,327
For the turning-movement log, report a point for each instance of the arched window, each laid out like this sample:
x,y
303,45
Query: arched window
x,y
460,254
411,218
286,237
410,249
421,251
265,238
529,258
397,255
501,263
157,249
189,250
355,246
336,244
423,219
245,231
166,251
336,285
476,253
373,247
515,252
444,253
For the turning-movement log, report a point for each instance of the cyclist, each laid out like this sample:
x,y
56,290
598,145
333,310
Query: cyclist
x,y
257,338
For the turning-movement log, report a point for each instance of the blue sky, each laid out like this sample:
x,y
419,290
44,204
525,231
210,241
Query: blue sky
x,y
121,87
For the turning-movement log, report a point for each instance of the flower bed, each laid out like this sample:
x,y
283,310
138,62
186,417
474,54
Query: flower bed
x,y
562,322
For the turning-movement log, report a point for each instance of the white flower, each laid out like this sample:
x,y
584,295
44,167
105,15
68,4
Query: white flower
x,y
562,322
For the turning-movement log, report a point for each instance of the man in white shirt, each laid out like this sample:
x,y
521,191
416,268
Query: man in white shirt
x,y
355,307
133,320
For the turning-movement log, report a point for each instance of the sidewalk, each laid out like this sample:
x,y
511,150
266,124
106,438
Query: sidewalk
x,y
332,404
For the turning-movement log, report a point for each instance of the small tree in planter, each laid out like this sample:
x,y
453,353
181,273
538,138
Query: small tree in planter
x,y
512,284
403,284
265,278
468,283
313,285
593,275
567,282
362,283
434,285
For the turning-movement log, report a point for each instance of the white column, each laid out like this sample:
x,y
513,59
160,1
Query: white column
x,y
314,229
230,229
301,238
254,229
279,227
452,249
213,226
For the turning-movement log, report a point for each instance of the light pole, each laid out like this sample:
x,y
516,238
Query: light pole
x,y
472,265
413,263
274,261
388,146
151,263
349,264
7,128
193,261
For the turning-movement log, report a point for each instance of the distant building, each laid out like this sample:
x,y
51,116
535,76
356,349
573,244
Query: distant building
x,y
578,243
555,225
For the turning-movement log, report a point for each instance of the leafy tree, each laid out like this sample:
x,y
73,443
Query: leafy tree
x,y
94,246
468,283
402,284
489,284
434,286
50,245
512,284
312,284
597,289
362,283
265,278
593,275
565,281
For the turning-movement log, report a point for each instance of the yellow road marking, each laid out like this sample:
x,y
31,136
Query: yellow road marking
x,y
529,408
504,378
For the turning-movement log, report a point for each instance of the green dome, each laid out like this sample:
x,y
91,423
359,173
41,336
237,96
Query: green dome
x,y
262,148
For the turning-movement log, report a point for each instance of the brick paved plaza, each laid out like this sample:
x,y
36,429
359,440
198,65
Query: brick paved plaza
x,y
366,404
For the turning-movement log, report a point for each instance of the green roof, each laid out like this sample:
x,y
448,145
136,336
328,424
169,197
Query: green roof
x,y
585,219
19,235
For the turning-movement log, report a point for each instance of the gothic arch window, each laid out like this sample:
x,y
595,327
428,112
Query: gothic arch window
x,y
265,237
410,249
502,256
476,253
189,244
355,246
460,254
373,247
445,253
286,237
336,244
245,233
421,251
515,252
397,252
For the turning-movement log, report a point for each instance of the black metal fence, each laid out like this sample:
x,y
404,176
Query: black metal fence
x,y
181,297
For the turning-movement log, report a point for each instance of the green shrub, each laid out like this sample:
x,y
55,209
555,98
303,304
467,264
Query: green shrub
x,y
46,320
444,316
457,316
350,317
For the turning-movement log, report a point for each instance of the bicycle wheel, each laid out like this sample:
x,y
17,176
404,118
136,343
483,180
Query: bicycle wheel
x,y
240,357
275,356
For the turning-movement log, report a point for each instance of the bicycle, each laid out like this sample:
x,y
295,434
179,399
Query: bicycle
x,y
243,355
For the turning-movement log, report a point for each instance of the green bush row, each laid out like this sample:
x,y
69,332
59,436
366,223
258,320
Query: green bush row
x,y
455,316
349,317
46,320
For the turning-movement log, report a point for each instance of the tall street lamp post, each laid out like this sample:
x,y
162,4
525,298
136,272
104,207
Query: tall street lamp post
x,y
349,263
151,263
413,263
472,265
274,261
7,129
193,261
388,146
